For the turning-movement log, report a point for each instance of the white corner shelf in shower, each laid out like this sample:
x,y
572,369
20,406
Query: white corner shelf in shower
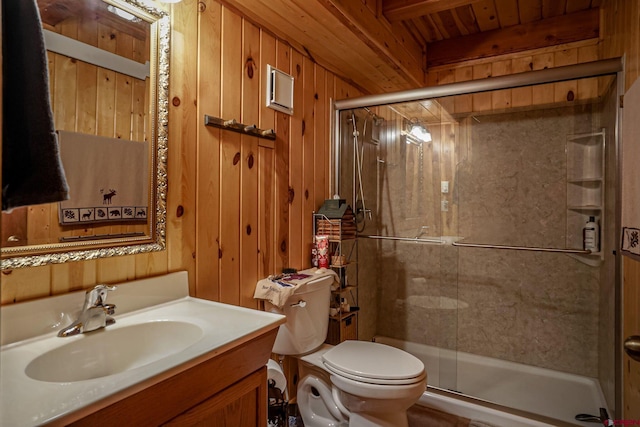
x,y
585,189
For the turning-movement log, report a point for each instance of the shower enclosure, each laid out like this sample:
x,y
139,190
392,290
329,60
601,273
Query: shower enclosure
x,y
471,202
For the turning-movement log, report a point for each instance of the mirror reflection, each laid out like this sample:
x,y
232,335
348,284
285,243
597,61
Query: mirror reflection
x,y
105,60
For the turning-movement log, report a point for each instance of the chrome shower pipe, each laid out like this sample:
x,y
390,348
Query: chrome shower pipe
x,y
335,132
549,75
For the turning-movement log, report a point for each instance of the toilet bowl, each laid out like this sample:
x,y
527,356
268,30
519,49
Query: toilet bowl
x,y
316,404
355,383
358,384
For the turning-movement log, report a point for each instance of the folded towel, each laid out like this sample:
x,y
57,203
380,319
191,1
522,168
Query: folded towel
x,y
108,179
277,289
31,169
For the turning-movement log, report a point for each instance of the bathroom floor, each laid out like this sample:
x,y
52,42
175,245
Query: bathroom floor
x,y
284,416
295,422
418,416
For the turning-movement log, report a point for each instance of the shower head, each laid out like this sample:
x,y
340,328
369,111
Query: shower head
x,y
354,122
377,120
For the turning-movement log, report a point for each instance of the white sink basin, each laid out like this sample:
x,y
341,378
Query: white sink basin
x,y
111,351
44,378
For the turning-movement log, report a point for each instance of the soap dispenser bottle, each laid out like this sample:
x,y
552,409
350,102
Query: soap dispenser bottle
x,y
591,235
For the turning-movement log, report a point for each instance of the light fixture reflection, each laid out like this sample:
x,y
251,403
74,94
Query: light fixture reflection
x,y
420,132
415,132
123,14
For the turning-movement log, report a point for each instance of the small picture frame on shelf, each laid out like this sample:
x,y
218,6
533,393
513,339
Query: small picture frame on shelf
x,y
631,241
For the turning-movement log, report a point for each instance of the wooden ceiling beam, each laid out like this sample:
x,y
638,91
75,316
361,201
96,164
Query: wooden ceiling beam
x,y
393,44
547,32
400,10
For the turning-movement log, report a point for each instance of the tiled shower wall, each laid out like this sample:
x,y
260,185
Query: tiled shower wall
x,y
529,307
509,188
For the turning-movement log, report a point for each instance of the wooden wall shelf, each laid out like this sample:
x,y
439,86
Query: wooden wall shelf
x,y
234,126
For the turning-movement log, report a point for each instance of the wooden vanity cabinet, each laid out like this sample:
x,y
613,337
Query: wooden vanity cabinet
x,y
238,405
222,388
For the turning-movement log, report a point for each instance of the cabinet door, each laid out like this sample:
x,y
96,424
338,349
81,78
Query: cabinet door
x,y
244,404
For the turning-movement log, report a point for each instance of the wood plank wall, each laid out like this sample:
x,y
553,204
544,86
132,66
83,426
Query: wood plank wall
x,y
568,54
90,100
93,100
631,326
255,217
239,208
621,36
206,44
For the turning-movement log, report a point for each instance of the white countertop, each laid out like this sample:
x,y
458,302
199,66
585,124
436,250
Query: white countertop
x,y
25,401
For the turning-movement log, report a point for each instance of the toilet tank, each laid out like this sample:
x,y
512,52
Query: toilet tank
x,y
307,311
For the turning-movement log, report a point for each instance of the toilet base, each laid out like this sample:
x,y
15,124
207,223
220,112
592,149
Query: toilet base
x,y
378,420
318,408
328,400
316,405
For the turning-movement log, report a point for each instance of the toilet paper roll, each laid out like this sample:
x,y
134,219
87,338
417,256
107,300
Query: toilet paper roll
x,y
274,372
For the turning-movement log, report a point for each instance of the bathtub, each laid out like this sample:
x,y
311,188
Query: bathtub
x,y
502,393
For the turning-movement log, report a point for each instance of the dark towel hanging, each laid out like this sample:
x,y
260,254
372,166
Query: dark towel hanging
x,y
32,172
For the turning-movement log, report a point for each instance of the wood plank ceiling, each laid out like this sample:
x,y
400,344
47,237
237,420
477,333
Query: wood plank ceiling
x,y
53,12
387,45
458,30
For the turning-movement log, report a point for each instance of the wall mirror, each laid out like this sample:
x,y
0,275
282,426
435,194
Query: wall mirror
x,y
108,77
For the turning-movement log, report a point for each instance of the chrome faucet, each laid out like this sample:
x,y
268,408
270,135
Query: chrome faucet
x,y
96,313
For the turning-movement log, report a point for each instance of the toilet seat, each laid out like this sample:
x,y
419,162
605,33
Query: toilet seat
x,y
365,391
373,363
375,381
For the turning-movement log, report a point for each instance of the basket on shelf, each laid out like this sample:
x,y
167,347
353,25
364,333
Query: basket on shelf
x,y
336,220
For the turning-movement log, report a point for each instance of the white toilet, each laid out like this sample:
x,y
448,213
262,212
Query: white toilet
x,y
355,383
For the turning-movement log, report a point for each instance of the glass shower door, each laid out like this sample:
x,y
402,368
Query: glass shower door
x,y
471,255
407,276
527,181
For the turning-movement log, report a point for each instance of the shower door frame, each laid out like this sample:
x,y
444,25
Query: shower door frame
x,y
613,66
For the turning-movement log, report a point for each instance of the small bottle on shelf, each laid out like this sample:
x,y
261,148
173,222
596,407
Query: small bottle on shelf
x,y
591,235
344,306
322,243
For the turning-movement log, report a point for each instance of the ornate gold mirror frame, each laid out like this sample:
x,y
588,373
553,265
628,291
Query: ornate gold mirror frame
x,y
94,247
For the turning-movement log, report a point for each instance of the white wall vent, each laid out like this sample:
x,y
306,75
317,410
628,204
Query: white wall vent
x,y
279,90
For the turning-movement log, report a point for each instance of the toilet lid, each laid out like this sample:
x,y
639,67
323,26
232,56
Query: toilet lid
x,y
373,363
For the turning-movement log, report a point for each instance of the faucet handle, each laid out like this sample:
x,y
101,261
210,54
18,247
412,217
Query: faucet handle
x,y
97,296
